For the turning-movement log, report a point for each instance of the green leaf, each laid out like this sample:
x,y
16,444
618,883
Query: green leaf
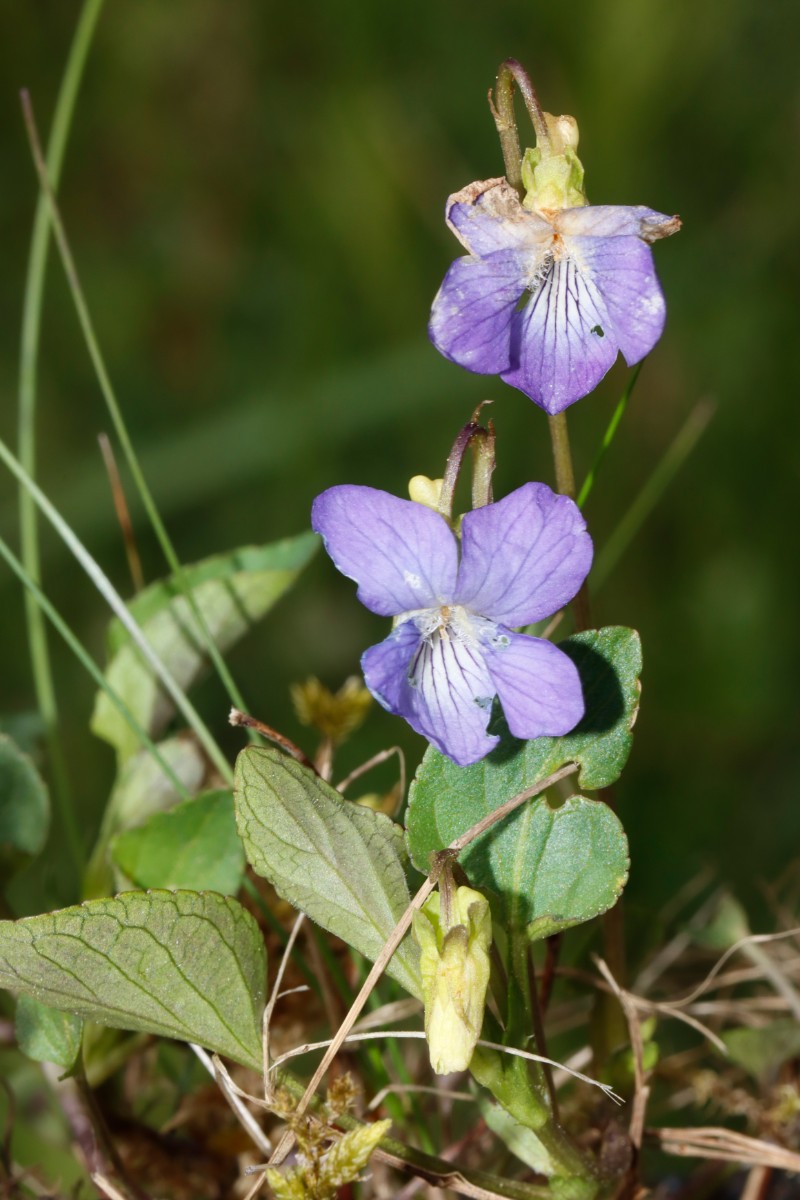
x,y
232,592
48,1035
185,965
24,808
142,790
521,1141
342,864
763,1051
556,867
193,846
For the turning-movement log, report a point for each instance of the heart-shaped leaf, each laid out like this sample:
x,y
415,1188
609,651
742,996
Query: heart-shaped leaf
x,y
342,864
231,591
556,867
185,965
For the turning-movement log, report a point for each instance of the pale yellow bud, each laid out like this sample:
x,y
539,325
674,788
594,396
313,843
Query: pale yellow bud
x,y
423,490
455,975
552,174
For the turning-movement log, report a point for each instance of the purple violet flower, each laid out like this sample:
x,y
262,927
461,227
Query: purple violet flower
x,y
546,299
453,647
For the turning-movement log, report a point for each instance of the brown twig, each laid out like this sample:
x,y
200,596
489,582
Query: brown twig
x,y
245,721
122,511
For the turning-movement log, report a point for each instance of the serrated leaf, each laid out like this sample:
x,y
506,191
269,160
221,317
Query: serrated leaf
x,y
232,591
556,867
47,1034
184,965
342,864
194,845
24,808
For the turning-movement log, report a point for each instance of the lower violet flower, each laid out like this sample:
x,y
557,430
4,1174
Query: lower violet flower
x,y
453,647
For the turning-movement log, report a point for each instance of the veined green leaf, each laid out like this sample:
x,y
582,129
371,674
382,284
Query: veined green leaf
x,y
185,965
341,864
194,845
232,592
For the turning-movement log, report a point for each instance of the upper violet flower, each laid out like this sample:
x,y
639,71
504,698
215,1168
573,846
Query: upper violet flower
x,y
552,288
453,647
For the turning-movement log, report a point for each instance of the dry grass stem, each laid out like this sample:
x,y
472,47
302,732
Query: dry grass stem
x,y
726,1146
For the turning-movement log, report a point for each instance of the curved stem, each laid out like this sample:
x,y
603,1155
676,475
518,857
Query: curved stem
x,y
512,72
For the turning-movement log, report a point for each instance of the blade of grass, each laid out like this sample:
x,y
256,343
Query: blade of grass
x,y
608,436
653,490
29,353
120,610
85,659
115,412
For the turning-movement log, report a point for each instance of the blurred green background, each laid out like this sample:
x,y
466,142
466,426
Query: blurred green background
x,y
255,193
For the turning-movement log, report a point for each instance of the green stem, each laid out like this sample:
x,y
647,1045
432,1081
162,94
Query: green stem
x,y
88,663
651,493
29,351
510,73
120,610
115,412
609,435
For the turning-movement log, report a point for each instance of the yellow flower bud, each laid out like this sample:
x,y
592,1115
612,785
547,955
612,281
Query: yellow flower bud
x,y
423,490
552,174
455,975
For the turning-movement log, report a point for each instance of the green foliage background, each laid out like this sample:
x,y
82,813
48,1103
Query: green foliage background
x,y
255,192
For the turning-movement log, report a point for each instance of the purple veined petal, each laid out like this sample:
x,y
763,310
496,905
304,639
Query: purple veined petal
x,y
615,220
538,686
439,684
625,275
524,557
487,216
402,555
562,343
472,314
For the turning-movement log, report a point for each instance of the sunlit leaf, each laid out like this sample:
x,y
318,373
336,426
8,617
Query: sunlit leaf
x,y
185,965
232,592
192,846
341,863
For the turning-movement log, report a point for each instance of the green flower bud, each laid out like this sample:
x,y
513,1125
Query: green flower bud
x,y
455,974
552,174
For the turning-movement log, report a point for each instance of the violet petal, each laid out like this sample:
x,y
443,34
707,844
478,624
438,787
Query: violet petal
x,y
440,685
472,314
523,557
402,555
615,220
562,342
625,275
538,685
